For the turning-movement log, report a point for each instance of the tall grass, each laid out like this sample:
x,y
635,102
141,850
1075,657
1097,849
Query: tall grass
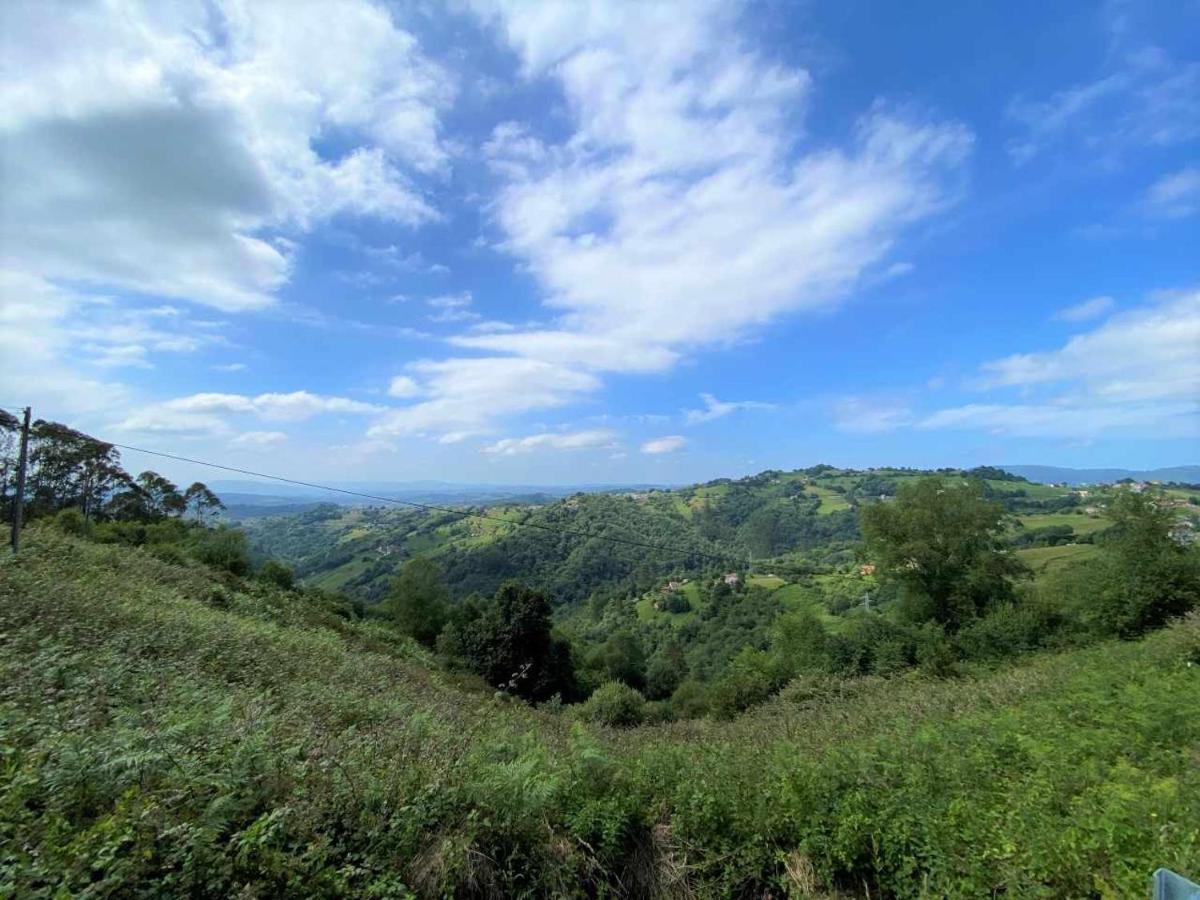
x,y
169,731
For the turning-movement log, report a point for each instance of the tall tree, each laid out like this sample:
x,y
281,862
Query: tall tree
x,y
69,468
943,544
419,600
1145,577
9,430
162,496
202,503
511,645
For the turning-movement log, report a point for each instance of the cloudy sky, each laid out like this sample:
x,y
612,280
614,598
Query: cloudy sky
x,y
559,242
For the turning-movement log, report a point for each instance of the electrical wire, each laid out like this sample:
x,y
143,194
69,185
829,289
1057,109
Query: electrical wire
x,y
430,507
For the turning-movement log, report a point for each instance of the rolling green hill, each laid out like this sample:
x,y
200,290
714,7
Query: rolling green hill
x,y
787,522
172,731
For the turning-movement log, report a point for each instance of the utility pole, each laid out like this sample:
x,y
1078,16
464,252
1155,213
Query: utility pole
x,y
19,500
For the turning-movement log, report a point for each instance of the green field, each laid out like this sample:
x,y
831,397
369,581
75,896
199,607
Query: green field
x,y
1044,560
770,582
1080,523
795,597
831,501
647,613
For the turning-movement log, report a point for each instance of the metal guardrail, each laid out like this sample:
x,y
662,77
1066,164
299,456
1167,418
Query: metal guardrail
x,y
1169,886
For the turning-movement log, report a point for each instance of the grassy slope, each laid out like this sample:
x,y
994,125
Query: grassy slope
x,y
154,743
1080,524
1044,560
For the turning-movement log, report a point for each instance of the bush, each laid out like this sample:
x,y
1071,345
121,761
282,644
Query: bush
x,y
743,686
71,521
276,573
664,673
222,548
1014,629
171,554
690,700
616,705
156,746
674,603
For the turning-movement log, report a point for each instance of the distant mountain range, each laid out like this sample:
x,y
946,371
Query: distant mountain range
x,y
248,498
1058,474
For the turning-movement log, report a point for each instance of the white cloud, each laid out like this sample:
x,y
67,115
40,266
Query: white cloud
x,y
716,409
291,407
898,270
403,386
1082,422
666,444
567,440
60,348
173,422
466,396
1087,309
453,308
1146,353
1144,99
451,301
161,148
655,256
681,212
1175,196
202,413
260,439
405,261
870,415
230,367
1137,373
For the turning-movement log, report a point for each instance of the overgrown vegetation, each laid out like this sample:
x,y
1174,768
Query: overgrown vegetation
x,y
917,713
175,730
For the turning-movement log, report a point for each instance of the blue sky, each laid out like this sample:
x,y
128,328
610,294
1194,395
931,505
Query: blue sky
x,y
519,242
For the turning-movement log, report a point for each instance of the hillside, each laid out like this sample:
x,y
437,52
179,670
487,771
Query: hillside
x,y
797,522
176,731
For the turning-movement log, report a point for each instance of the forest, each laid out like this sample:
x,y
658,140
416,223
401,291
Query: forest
x,y
784,685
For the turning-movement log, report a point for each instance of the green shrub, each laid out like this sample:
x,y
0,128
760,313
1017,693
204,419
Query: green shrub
x,y
171,554
742,687
71,521
222,548
1013,629
615,704
690,700
276,573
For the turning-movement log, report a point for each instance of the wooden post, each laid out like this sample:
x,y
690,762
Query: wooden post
x,y
19,500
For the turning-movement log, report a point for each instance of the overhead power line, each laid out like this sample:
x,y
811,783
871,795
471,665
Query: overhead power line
x,y
430,507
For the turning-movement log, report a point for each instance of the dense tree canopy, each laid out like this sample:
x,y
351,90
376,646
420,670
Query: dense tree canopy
x,y
509,642
944,544
68,469
1146,577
